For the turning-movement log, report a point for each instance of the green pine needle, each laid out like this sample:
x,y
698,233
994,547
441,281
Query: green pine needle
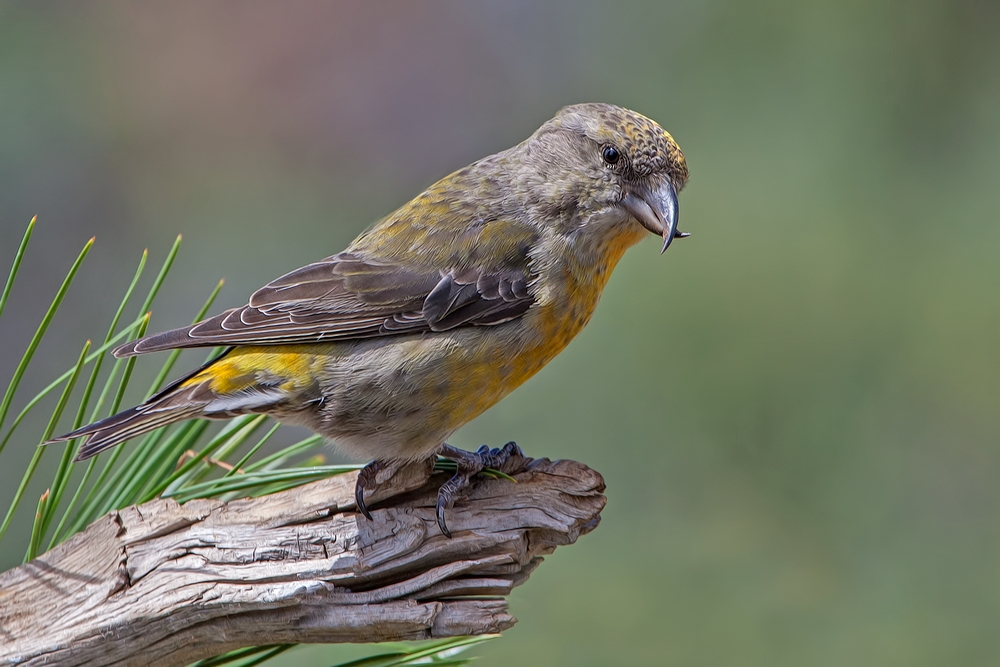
x,y
254,480
16,264
40,451
62,378
159,465
42,328
434,653
174,354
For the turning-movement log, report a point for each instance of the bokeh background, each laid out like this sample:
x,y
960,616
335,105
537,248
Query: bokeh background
x,y
797,410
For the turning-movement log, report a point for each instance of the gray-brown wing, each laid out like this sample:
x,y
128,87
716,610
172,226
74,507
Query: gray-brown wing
x,y
348,297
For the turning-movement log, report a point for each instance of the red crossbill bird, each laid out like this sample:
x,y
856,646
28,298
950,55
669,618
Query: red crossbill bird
x,y
437,311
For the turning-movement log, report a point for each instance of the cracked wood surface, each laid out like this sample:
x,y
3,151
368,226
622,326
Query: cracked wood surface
x,y
165,584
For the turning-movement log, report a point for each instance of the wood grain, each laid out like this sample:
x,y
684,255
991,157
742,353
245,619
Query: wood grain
x,y
165,584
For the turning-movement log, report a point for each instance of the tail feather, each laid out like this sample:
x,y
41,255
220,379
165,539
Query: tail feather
x,y
186,398
124,426
173,404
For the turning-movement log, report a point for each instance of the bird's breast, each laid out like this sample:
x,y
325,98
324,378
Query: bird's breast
x,y
568,289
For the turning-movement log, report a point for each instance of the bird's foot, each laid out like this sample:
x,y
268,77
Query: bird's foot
x,y
366,477
508,459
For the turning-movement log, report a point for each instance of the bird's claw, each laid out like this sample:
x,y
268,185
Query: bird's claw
x,y
366,477
508,459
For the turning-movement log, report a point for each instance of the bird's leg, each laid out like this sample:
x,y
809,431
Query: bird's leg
x,y
507,459
366,477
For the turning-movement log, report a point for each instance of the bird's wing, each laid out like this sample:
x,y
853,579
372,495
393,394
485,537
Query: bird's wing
x,y
367,292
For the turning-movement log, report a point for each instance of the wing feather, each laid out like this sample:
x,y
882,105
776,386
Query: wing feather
x,y
351,296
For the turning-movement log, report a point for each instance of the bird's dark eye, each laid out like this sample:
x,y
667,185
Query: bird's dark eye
x,y
611,155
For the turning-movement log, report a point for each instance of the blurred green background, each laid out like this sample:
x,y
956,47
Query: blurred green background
x,y
796,410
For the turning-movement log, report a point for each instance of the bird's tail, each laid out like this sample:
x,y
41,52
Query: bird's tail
x,y
240,381
177,403
185,398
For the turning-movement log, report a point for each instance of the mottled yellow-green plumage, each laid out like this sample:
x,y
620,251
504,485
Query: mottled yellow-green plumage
x,y
441,308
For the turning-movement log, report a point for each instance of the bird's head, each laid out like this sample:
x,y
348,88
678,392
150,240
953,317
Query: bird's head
x,y
601,167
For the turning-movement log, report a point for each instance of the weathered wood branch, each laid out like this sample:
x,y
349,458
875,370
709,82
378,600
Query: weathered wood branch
x,y
166,584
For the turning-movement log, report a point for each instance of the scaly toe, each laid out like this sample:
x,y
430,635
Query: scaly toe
x,y
508,459
449,492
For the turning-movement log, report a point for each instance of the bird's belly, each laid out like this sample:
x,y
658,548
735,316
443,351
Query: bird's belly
x,y
400,398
